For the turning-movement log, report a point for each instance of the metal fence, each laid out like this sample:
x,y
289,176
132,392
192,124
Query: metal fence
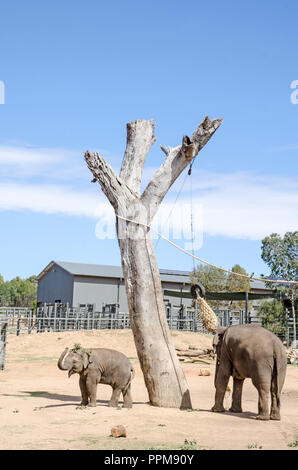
x,y
62,317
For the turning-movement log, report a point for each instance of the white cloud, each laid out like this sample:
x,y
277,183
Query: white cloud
x,y
31,157
49,199
245,205
238,205
59,164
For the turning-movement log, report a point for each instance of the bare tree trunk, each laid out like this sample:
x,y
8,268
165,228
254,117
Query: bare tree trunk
x,y
164,378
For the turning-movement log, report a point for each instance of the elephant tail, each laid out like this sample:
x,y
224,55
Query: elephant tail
x,y
132,374
279,372
275,389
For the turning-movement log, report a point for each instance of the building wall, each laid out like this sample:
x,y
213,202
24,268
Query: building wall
x,y
99,291
56,285
78,290
94,290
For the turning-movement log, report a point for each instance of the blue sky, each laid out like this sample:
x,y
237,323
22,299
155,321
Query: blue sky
x,y
76,72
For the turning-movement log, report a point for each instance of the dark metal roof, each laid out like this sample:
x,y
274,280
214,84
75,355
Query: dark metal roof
x,y
101,270
107,271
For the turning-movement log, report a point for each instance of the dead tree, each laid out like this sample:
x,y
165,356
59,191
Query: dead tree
x,y
164,378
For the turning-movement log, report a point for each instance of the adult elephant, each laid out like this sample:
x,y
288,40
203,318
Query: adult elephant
x,y
250,351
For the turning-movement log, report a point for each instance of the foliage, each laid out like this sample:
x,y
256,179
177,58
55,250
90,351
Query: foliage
x,y
77,347
281,255
294,443
237,283
273,316
18,292
216,280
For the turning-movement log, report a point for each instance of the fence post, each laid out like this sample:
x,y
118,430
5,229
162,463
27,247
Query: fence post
x,y
30,321
66,316
195,323
170,315
19,323
246,306
55,317
3,344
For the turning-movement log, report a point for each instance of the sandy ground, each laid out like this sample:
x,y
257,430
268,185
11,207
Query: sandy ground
x,y
40,406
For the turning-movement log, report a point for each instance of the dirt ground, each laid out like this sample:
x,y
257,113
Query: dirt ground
x,y
40,405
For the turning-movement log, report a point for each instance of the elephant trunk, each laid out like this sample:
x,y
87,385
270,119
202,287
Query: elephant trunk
x,y
60,361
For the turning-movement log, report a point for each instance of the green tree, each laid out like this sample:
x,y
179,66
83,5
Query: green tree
x,y
281,255
214,280
238,284
4,294
18,292
273,316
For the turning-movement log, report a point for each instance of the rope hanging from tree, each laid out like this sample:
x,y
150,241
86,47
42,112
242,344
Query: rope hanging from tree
x,y
274,281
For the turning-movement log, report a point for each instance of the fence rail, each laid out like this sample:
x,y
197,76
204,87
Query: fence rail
x,y
62,317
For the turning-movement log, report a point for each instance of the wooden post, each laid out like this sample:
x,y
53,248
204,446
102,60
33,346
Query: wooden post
x,y
164,378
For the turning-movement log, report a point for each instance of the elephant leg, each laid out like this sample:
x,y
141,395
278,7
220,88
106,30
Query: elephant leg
x,y
115,397
221,384
237,395
91,389
84,391
127,399
275,402
263,408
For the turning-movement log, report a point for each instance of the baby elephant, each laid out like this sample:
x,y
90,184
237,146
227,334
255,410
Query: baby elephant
x,y
99,365
250,351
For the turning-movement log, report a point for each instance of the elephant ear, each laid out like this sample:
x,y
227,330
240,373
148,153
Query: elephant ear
x,y
219,333
85,358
